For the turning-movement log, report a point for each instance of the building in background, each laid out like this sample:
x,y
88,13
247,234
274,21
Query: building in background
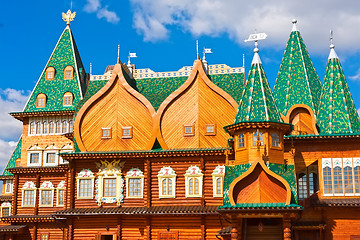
x,y
192,154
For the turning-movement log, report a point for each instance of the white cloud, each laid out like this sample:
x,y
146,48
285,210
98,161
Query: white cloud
x,y
356,77
94,6
11,100
358,111
6,149
239,18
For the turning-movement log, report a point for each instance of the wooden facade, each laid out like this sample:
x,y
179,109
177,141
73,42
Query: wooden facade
x,y
198,165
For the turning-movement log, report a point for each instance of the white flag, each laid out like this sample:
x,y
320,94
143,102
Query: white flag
x,y
207,50
132,55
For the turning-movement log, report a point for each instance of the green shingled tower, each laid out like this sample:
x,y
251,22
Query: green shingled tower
x,y
337,113
257,103
297,81
65,54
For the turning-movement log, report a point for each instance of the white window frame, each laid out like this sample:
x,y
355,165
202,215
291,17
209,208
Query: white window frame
x,y
193,172
61,187
134,173
34,149
46,186
32,128
5,205
219,172
86,174
28,186
65,149
8,184
56,158
167,173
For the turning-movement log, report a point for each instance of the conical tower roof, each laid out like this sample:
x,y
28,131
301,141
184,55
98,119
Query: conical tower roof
x,y
64,54
257,103
337,113
297,81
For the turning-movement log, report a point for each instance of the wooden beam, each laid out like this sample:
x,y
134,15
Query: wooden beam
x,y
15,194
287,228
148,228
119,229
37,184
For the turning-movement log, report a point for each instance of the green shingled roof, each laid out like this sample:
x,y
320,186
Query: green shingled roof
x,y
297,81
259,205
64,54
257,103
337,112
11,163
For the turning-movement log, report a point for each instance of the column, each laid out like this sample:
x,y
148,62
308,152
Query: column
x,y
287,228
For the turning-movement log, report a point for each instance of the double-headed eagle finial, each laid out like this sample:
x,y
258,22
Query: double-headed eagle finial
x,y
68,17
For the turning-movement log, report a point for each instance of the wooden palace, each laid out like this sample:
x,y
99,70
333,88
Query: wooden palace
x,y
198,153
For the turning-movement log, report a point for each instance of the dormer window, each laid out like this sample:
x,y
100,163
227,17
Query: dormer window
x,y
189,130
68,72
258,139
50,73
241,141
105,133
68,99
127,132
41,100
210,129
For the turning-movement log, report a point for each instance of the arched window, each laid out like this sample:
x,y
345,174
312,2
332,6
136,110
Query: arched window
x,y
71,126
45,127
357,179
167,184
134,183
64,126
257,136
68,99
32,128
275,140
338,182
58,127
68,72
40,100
51,127
193,182
38,127
50,73
241,141
218,180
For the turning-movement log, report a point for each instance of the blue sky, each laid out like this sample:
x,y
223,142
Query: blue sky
x,y
163,34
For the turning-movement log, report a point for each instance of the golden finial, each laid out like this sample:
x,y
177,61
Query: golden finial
x,y
68,17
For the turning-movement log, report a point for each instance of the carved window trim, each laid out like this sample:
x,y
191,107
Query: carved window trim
x,y
28,187
85,174
6,205
132,174
61,187
193,176
8,185
166,174
218,174
46,186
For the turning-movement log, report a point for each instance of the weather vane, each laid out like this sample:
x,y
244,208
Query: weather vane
x,y
256,37
68,17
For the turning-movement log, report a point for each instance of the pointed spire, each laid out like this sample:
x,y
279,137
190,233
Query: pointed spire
x,y
297,81
337,113
257,103
65,54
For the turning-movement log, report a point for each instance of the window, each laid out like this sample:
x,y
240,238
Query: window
x,y
105,133
32,128
58,127
28,194
275,140
341,176
127,132
218,180
64,126
109,185
60,192
51,158
210,129
85,184
51,127
68,99
46,194
45,127
307,181
8,186
40,100
38,127
18,162
241,141
5,209
167,182
302,186
71,126
50,73
68,72
34,158
257,139
45,236
134,183
189,130
65,149
193,182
